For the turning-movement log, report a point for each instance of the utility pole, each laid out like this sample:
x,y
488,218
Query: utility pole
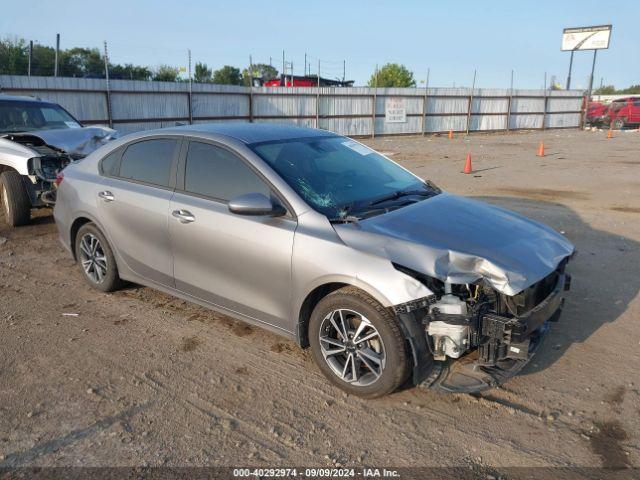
x,y
57,56
305,64
30,57
106,76
284,71
344,69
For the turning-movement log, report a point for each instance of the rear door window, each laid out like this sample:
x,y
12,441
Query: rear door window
x,y
214,172
149,161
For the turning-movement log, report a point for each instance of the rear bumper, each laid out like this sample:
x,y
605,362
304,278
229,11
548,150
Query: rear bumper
x,y
510,343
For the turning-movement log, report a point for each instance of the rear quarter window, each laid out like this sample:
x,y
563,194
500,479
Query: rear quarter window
x,y
149,161
110,164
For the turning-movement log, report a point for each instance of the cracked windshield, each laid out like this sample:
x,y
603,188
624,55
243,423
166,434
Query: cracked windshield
x,y
340,177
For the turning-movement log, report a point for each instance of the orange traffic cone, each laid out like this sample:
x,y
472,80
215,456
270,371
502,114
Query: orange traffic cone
x,y
467,164
541,149
610,133
450,134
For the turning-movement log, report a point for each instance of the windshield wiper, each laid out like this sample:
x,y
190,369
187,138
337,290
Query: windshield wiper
x,y
402,193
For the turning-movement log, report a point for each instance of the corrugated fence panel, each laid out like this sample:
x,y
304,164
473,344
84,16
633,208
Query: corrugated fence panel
x,y
525,121
445,123
344,105
563,104
488,122
149,105
527,105
562,120
347,126
283,105
140,105
489,105
216,105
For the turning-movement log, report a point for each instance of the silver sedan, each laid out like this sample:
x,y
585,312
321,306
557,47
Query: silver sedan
x,y
318,238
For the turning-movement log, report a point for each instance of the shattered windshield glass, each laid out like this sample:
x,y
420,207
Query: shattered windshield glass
x,y
338,176
29,116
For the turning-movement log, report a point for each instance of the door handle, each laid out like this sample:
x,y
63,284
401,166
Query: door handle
x,y
107,196
183,216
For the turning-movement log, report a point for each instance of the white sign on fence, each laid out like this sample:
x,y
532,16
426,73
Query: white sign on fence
x,y
586,38
395,110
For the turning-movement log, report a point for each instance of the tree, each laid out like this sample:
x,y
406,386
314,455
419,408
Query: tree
x,y
605,90
166,73
13,57
393,75
129,71
260,70
202,73
227,75
633,89
81,62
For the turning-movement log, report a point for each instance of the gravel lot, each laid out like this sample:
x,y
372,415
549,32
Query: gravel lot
x,y
140,378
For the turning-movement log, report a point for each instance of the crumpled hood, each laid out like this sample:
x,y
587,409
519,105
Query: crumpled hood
x,y
459,240
77,142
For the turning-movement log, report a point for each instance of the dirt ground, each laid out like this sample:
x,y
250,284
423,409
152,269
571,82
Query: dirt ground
x,y
140,378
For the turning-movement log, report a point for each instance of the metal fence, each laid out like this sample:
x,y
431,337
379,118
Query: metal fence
x,y
129,105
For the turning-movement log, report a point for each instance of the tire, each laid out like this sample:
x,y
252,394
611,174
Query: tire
x,y
96,259
618,124
363,316
15,199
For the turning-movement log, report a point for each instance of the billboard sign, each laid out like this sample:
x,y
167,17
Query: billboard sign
x,y
395,110
586,38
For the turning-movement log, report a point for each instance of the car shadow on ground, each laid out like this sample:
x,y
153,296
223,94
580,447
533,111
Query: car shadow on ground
x,y
604,276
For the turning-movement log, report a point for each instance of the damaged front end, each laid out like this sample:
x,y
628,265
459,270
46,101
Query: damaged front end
x,y
50,151
470,337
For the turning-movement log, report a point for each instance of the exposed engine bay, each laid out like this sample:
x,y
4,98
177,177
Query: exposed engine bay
x,y
50,151
45,168
477,336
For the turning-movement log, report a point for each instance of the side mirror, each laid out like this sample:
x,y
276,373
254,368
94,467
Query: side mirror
x,y
255,204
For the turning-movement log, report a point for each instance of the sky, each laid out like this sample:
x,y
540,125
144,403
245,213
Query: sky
x,y
451,39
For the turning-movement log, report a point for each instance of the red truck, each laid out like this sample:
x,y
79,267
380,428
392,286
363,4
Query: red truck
x,y
623,112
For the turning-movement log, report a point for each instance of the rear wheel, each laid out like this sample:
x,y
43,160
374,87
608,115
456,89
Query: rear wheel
x,y
358,344
618,123
16,204
96,259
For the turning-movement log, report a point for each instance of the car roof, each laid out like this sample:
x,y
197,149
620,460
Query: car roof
x,y
251,132
21,98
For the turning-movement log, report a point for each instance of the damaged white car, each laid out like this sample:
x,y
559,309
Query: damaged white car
x,y
319,238
37,140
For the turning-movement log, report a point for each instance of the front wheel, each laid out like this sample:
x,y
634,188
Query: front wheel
x,y
15,199
358,344
618,124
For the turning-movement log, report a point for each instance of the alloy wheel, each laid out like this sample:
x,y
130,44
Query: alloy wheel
x,y
93,258
352,347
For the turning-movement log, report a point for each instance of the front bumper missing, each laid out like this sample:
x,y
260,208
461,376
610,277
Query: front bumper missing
x,y
510,344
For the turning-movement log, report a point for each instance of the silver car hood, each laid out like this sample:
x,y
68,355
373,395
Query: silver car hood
x,y
77,142
459,240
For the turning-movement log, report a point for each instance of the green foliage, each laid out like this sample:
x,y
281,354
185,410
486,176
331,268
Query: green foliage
x,y
129,71
605,90
393,75
202,73
166,73
611,90
227,75
260,70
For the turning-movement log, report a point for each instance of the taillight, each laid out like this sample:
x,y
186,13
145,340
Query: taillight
x,y
59,178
